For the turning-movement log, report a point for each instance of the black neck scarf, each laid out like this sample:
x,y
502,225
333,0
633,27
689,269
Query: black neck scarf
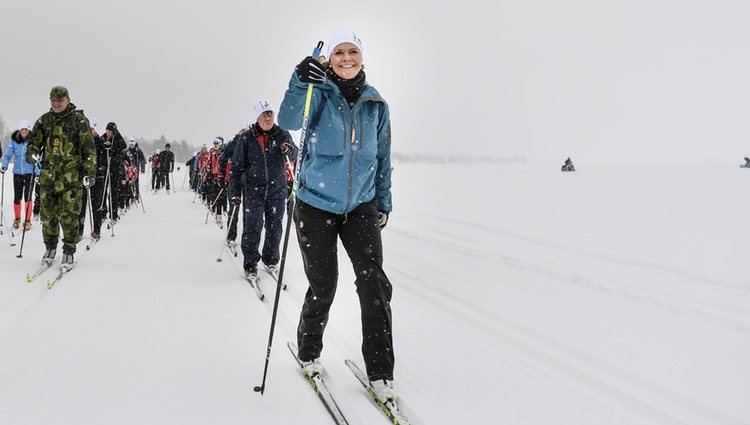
x,y
350,89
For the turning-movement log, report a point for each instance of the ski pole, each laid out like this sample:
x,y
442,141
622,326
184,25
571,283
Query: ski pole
x,y
90,205
106,181
140,198
2,213
211,208
2,204
262,387
25,223
229,228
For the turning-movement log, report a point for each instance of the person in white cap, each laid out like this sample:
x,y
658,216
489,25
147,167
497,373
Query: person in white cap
x,y
258,180
23,173
344,192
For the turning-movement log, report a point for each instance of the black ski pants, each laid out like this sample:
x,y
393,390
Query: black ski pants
x,y
260,214
22,187
318,232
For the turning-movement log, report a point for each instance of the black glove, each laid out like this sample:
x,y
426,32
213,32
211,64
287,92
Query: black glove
x,y
89,181
286,149
311,71
382,219
236,200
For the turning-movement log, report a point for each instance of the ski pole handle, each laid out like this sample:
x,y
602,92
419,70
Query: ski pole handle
x,y
315,55
303,132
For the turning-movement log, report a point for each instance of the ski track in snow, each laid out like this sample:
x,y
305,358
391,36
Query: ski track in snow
x,y
638,284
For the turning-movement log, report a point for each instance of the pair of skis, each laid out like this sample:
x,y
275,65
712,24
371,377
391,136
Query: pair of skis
x,y
253,281
30,277
390,408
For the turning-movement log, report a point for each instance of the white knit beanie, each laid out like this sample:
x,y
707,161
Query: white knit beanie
x,y
24,124
344,37
261,106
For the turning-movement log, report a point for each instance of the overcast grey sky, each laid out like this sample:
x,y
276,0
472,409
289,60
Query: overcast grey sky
x,y
596,80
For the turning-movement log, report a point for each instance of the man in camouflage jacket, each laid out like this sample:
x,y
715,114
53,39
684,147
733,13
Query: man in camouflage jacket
x,y
62,139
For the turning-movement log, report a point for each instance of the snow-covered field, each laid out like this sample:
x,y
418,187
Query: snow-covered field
x,y
522,295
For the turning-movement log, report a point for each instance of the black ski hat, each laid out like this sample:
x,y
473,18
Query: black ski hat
x,y
111,126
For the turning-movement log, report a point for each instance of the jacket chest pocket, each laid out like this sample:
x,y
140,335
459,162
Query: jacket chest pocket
x,y
61,142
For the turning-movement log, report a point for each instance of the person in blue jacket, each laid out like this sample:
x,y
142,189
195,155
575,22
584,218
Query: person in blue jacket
x,y
343,192
258,180
23,173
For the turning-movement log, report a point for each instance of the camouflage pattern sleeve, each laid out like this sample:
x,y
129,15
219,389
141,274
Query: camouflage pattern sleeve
x,y
36,140
88,149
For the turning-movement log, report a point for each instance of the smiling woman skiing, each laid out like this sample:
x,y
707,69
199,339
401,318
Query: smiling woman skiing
x,y
344,191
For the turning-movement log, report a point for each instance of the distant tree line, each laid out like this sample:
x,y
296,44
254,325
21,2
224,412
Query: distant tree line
x,y
454,159
182,151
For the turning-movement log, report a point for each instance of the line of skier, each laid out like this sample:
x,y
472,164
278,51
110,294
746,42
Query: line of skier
x,y
251,173
74,172
343,189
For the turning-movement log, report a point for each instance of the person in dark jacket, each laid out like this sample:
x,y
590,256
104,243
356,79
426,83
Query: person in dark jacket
x,y
259,175
141,158
97,208
115,188
166,166
225,165
343,192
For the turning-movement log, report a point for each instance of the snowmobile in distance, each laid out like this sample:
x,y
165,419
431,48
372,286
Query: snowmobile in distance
x,y
568,166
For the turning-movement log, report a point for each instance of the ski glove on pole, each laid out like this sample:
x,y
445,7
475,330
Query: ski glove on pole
x,y
286,149
382,219
3,170
311,71
88,181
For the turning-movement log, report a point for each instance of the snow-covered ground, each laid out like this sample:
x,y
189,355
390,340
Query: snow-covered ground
x,y
522,295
